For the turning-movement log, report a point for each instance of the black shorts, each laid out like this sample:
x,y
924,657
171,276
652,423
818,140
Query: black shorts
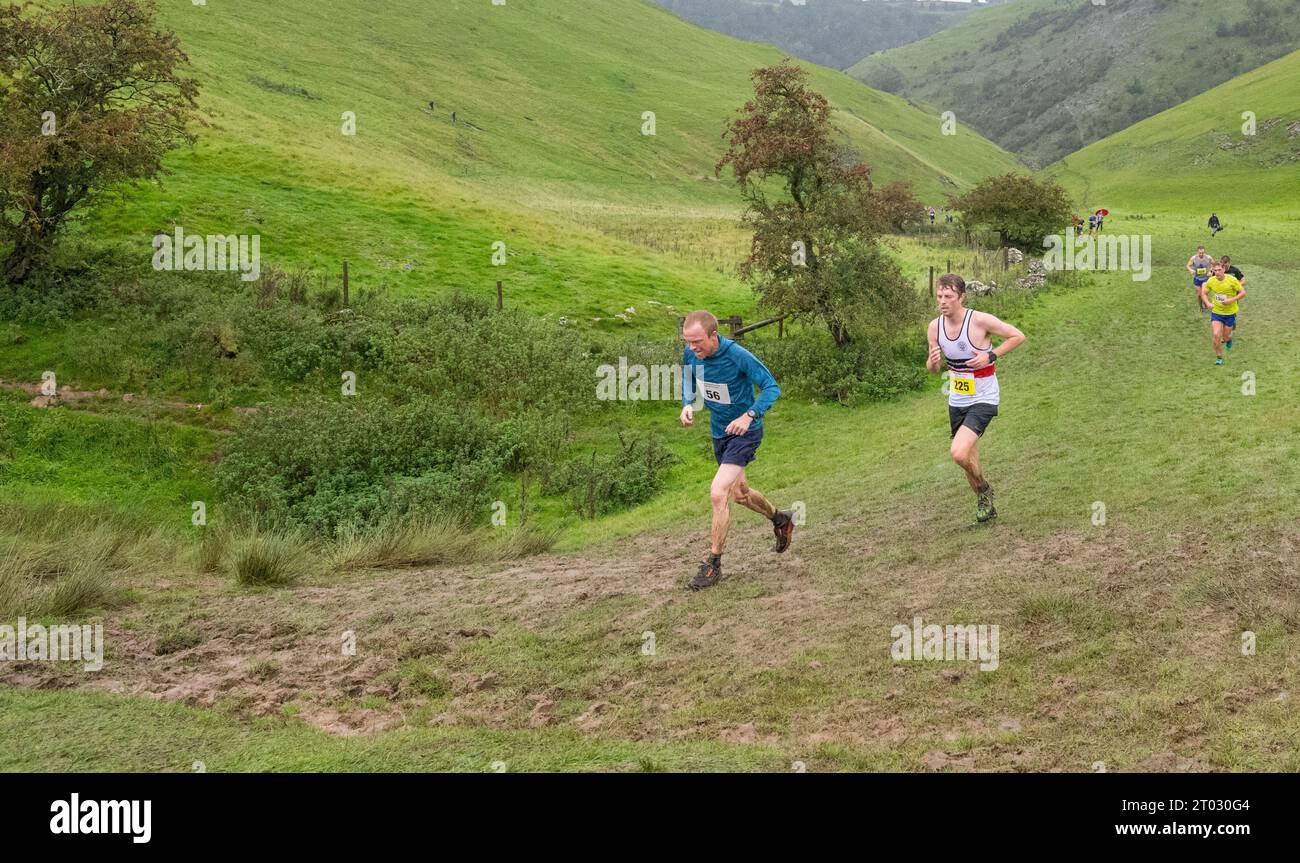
x,y
737,448
976,417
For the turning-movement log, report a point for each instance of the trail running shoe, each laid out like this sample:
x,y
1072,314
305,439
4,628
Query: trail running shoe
x,y
783,527
984,508
1228,344
1218,361
710,574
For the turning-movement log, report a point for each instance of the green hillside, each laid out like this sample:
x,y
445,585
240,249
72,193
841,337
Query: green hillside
x,y
1043,78
546,154
835,33
1196,158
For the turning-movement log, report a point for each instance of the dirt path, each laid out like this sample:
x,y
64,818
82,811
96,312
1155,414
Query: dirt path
x,y
258,651
778,654
67,395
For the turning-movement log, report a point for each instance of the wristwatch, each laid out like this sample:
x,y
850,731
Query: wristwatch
x,y
993,358
750,413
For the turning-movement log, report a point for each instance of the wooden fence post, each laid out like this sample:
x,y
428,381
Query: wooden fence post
x,y
500,298
932,280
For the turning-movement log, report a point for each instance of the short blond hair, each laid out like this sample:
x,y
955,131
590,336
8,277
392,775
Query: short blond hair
x,y
701,318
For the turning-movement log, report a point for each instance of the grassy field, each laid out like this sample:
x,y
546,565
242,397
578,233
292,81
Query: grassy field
x,y
1120,641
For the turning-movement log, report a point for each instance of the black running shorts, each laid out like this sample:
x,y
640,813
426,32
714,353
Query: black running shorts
x,y
976,417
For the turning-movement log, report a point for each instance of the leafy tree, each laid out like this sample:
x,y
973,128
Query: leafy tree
x,y
1021,209
809,203
90,96
898,206
887,78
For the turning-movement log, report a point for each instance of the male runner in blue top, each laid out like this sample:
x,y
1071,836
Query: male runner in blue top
x,y
725,375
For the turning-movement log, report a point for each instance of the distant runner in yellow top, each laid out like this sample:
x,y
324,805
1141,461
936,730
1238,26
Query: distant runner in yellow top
x,y
1225,291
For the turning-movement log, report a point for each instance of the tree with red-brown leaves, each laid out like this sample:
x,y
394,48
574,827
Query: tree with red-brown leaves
x,y
90,97
810,204
899,206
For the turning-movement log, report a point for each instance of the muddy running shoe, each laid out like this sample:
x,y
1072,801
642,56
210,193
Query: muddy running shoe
x,y
710,574
783,527
984,508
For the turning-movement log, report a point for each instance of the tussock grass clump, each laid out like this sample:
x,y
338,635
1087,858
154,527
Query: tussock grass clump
x,y
523,542
42,578
1042,608
432,541
212,549
176,638
258,556
264,670
262,559
404,542
60,559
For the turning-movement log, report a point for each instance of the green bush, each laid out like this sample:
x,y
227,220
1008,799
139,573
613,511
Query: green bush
x,y
324,466
538,441
502,363
598,484
811,366
291,340
46,298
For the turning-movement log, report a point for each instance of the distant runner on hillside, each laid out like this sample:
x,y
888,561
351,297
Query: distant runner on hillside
x,y
973,391
726,375
1199,266
1214,224
1227,291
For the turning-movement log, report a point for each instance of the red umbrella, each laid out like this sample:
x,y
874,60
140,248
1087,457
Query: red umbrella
x,y
1103,212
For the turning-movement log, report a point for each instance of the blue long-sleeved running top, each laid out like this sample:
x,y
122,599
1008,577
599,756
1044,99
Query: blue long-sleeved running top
x,y
726,380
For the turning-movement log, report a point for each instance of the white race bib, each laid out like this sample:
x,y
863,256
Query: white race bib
x,y
716,393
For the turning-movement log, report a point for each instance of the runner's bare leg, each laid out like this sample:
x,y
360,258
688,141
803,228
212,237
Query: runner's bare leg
x,y
720,494
965,451
751,498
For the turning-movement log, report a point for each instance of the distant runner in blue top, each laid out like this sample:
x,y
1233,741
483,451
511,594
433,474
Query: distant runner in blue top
x,y
725,375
